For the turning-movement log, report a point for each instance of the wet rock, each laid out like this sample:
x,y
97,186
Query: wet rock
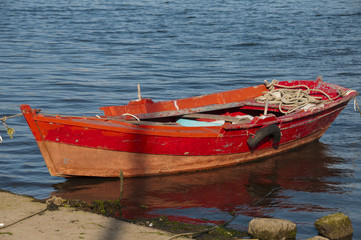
x,y
272,229
318,238
55,201
334,226
52,206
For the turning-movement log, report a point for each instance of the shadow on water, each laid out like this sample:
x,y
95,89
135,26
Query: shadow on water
x,y
254,189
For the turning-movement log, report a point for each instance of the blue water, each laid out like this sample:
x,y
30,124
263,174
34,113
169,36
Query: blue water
x,y
73,57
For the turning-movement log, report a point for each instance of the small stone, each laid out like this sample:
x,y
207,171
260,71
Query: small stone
x,y
272,229
334,226
55,200
317,238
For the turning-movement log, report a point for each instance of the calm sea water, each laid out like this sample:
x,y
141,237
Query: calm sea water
x,y
73,57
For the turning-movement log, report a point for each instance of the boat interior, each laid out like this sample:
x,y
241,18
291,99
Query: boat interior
x,y
244,113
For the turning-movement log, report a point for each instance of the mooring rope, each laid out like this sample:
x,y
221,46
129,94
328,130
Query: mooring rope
x,y
27,217
292,97
52,204
9,130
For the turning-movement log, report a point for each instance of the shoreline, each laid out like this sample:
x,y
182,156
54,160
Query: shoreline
x,y
25,217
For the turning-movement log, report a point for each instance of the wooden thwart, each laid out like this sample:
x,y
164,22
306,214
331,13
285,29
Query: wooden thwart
x,y
216,117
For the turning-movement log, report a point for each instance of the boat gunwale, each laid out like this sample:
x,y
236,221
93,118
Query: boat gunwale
x,y
178,130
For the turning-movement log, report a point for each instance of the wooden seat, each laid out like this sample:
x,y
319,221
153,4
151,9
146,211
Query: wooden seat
x,y
216,117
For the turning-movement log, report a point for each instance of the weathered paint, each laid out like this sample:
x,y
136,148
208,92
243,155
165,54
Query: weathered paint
x,y
83,161
202,103
102,147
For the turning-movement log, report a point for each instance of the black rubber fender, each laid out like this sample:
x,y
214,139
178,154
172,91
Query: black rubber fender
x,y
271,130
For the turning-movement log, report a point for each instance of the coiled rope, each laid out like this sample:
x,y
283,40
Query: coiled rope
x,y
292,98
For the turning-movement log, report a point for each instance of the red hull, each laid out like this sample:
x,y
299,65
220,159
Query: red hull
x,y
88,146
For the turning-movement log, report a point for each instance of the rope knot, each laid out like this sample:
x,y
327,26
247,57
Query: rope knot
x,y
270,86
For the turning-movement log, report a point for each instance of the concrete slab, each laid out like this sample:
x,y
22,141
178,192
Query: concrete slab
x,y
65,223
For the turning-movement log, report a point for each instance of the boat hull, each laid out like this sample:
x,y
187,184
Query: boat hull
x,y
69,160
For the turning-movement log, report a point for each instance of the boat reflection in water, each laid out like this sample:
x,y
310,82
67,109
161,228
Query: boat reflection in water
x,y
257,189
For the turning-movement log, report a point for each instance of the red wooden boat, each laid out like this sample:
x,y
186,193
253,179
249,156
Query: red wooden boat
x,y
151,138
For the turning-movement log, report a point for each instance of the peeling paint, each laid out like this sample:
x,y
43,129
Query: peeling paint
x,y
100,147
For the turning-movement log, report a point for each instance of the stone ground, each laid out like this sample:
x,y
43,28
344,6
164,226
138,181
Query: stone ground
x,y
64,223
25,218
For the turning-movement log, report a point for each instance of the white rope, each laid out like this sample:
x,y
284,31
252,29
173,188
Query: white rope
x,y
355,104
292,97
349,92
129,114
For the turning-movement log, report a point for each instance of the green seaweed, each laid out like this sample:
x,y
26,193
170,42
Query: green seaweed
x,y
335,225
107,208
113,209
219,233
